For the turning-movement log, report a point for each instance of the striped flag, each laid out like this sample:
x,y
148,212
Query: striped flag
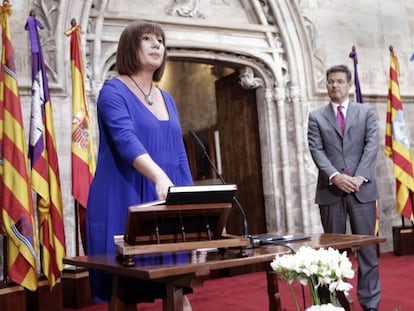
x,y
397,145
83,156
15,192
44,163
359,99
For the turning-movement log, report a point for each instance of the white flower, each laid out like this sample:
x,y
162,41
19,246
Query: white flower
x,y
322,267
327,307
340,286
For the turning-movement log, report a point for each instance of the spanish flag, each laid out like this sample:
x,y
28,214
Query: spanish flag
x,y
15,191
83,155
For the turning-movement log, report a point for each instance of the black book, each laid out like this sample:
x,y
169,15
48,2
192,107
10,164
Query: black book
x,y
201,194
197,194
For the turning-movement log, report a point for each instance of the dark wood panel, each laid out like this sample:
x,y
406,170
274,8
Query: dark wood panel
x,y
240,151
75,289
44,299
12,297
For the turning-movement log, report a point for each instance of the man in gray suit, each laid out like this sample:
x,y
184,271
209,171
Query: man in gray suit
x,y
343,141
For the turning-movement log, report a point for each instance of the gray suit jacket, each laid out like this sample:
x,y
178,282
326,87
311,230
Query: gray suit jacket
x,y
354,152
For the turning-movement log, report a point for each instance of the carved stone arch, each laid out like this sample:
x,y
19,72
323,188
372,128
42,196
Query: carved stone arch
x,y
234,60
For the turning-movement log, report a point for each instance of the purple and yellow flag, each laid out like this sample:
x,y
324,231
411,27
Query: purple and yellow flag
x,y
15,192
83,155
397,145
44,164
358,94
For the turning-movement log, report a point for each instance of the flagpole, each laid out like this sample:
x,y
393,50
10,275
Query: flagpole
x,y
5,259
77,227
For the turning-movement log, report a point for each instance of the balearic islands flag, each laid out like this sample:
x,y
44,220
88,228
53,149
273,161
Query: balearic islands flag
x,y
15,192
44,163
83,156
397,145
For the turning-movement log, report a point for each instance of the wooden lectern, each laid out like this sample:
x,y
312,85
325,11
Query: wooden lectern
x,y
158,228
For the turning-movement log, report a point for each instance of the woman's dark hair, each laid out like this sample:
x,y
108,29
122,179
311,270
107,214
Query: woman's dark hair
x,y
340,68
127,60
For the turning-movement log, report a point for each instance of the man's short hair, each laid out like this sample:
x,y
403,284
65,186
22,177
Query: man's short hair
x,y
340,68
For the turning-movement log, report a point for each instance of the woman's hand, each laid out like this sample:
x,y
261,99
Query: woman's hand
x,y
162,185
146,166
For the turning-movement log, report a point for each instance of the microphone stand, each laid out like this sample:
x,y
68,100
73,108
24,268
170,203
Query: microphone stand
x,y
246,234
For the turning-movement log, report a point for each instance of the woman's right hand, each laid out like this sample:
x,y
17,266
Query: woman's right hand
x,y
146,166
162,185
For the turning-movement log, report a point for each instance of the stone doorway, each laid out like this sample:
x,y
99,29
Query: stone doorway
x,y
213,104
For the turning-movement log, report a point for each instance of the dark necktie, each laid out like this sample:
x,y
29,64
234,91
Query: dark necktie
x,y
340,118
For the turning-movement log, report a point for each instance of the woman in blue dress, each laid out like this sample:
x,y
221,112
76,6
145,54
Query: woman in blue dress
x,y
141,150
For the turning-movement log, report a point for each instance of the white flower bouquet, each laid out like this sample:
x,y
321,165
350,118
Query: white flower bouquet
x,y
324,270
326,307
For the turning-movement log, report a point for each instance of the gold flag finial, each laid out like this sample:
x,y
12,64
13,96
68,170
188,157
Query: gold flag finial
x,y
74,27
397,65
5,9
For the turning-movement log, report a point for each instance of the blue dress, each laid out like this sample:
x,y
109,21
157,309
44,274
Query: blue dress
x,y
128,129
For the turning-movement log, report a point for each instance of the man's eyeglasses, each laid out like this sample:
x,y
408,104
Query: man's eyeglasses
x,y
339,81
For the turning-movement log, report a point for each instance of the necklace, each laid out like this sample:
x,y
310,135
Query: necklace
x,y
147,97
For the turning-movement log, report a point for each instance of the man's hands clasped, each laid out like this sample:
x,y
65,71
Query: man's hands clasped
x,y
346,183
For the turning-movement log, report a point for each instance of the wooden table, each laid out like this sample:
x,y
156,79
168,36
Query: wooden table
x,y
198,264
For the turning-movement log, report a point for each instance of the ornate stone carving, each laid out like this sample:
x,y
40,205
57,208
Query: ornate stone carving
x,y
319,65
280,94
248,80
295,94
47,13
275,40
266,10
185,8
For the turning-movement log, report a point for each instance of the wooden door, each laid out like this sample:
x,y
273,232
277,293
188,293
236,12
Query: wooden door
x,y
240,152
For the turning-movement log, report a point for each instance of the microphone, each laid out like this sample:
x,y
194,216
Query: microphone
x,y
200,144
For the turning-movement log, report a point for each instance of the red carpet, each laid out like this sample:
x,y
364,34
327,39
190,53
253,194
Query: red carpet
x,y
248,292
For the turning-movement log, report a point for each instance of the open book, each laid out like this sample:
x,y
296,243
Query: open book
x,y
196,195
